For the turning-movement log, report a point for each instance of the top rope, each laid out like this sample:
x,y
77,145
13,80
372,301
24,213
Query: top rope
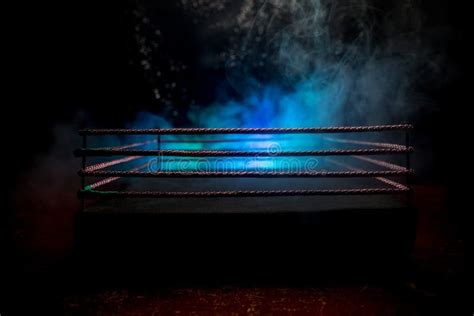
x,y
201,131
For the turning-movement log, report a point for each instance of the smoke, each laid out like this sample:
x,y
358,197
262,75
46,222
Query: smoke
x,y
317,63
306,63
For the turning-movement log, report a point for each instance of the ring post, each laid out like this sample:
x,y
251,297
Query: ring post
x,y
83,178
408,167
158,143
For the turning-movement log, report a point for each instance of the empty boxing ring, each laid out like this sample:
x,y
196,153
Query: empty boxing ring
x,y
264,191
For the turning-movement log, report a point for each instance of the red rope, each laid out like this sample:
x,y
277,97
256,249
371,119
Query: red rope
x,y
229,140
114,162
359,142
194,131
132,145
111,163
269,174
380,163
392,183
230,153
204,194
105,181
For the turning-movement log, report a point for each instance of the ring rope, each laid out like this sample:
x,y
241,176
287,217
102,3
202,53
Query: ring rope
x,y
392,183
194,131
111,163
249,174
105,181
106,164
359,142
130,145
229,140
272,193
380,163
230,153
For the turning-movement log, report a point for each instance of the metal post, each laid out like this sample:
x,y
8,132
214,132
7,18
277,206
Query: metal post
x,y
322,160
84,163
158,161
408,167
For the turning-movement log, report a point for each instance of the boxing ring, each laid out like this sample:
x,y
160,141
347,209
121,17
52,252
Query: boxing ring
x,y
113,175
345,188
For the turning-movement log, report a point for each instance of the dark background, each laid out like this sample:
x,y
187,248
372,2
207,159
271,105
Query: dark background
x,y
70,63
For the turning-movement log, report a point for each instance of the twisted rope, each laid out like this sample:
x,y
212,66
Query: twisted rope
x,y
230,153
204,194
223,140
106,164
111,163
242,174
114,178
392,183
380,163
359,142
395,184
131,145
194,131
103,182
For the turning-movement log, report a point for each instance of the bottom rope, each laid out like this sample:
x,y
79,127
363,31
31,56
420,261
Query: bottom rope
x,y
88,192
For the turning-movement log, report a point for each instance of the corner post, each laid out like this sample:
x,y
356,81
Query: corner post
x,y
84,164
158,144
408,168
